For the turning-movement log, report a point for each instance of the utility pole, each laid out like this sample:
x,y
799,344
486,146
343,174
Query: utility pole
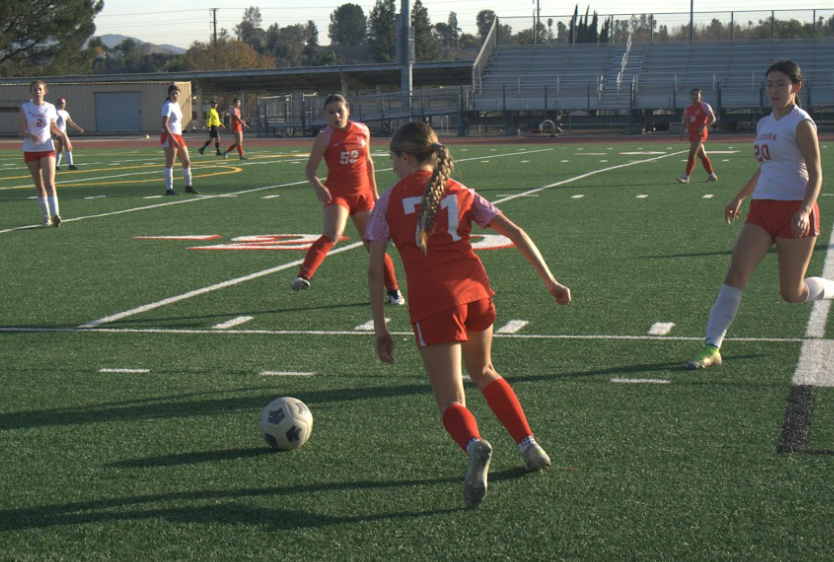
x,y
407,51
214,25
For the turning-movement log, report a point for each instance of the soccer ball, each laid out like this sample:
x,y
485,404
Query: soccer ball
x,y
286,423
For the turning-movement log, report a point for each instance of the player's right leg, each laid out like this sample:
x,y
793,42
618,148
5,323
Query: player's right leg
x,y
335,220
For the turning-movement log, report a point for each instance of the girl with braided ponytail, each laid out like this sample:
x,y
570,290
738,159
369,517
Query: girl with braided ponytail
x,y
429,217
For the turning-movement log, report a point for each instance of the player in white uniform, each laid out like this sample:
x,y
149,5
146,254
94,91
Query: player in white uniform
x,y
64,119
36,125
783,209
173,143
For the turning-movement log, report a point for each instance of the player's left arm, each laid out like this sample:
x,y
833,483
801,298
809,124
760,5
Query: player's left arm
x,y
74,126
711,118
383,342
809,146
371,169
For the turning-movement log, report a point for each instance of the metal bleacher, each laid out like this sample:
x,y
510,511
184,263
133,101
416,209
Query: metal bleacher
x,y
647,76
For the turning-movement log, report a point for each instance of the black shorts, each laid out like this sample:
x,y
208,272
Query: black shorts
x,y
213,134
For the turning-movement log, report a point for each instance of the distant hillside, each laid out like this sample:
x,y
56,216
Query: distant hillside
x,y
112,40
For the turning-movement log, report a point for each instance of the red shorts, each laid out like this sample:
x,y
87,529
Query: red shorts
x,y
36,156
359,203
163,138
774,217
702,137
237,128
453,324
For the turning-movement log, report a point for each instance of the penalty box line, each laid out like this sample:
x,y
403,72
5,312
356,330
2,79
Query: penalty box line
x,y
238,280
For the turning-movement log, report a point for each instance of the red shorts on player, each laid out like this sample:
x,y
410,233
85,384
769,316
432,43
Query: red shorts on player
x,y
237,127
775,217
699,137
163,138
453,324
36,156
358,203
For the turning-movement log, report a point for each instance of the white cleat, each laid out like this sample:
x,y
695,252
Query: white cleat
x,y
535,458
682,179
475,482
300,284
395,298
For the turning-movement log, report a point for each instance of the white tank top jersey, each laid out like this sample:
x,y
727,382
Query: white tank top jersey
x,y
38,119
173,112
63,117
784,175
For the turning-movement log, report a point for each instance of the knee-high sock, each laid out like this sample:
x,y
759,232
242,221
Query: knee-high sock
x,y
208,142
819,289
231,147
461,425
240,150
216,145
315,255
69,157
186,176
52,200
705,161
44,205
169,178
722,314
506,407
390,276
58,161
690,165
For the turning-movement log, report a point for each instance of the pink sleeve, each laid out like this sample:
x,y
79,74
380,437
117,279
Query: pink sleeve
x,y
482,210
378,228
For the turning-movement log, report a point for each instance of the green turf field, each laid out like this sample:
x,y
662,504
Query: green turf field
x,y
167,463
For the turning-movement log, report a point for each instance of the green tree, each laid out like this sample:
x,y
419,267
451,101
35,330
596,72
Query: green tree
x,y
484,21
348,26
425,43
249,29
46,37
381,30
449,32
225,54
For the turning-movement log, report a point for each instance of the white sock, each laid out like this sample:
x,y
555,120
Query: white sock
x,y
186,175
58,161
169,179
819,289
69,158
53,204
722,314
526,443
44,208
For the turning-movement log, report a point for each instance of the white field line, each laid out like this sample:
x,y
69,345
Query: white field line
x,y
661,328
233,322
208,197
286,374
512,327
586,175
124,370
369,326
641,381
816,359
593,337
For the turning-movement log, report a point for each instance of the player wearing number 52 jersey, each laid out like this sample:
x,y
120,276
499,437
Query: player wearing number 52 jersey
x,y
698,117
349,191
429,217
783,209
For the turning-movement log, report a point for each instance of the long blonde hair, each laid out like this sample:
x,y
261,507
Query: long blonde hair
x,y
420,141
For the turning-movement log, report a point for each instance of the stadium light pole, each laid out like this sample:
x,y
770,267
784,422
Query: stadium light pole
x,y
407,60
691,21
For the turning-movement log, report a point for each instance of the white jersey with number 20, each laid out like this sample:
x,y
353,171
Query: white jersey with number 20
x,y
784,174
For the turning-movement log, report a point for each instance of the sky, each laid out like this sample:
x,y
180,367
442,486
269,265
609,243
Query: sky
x,y
186,21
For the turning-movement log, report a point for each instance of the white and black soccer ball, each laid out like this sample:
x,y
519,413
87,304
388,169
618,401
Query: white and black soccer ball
x,y
286,423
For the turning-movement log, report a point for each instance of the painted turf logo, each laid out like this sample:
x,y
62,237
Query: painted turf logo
x,y
302,242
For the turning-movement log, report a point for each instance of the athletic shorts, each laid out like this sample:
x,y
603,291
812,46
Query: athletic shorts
x,y
163,139
213,132
237,128
36,156
774,217
358,203
453,324
694,137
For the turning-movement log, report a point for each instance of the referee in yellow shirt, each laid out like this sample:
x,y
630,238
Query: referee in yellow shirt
x,y
213,122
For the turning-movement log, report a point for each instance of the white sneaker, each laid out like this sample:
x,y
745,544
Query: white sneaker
x,y
475,482
682,179
300,284
711,178
535,458
395,298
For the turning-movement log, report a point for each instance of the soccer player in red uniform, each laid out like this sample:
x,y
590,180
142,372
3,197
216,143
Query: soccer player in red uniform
x,y
697,118
429,217
350,189
237,126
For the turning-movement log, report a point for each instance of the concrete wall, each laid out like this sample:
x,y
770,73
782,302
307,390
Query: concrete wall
x,y
81,103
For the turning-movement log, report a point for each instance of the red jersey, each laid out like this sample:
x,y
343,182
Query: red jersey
x,y
697,115
347,159
237,125
449,274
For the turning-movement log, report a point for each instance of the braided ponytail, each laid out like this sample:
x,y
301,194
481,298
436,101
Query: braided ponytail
x,y
419,140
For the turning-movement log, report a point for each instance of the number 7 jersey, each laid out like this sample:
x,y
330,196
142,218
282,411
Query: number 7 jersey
x,y
347,159
449,274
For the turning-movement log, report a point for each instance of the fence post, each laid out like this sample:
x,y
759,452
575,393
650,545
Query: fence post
x,y
461,124
545,96
303,117
503,97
